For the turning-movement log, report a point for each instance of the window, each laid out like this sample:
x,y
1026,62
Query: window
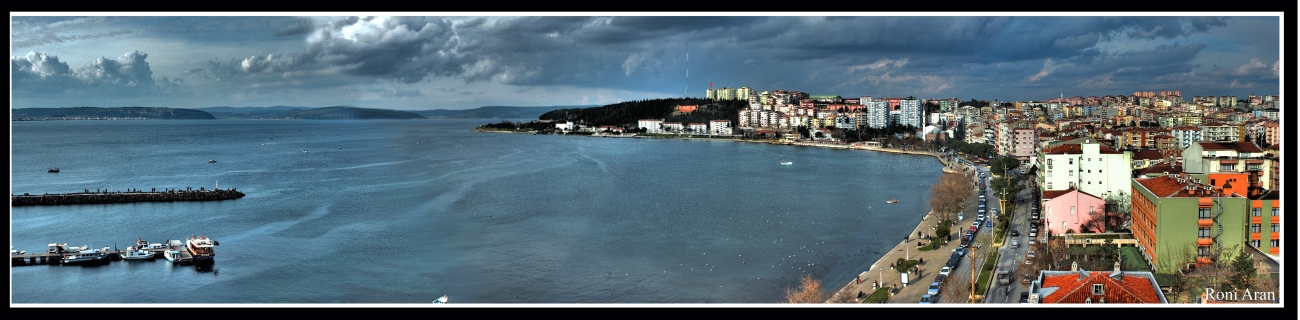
x,y
1071,160
1273,227
1254,228
1092,210
1273,243
1203,252
1254,212
1071,210
1098,170
1049,185
1204,213
1274,212
1227,167
1203,232
1097,288
1071,173
1254,243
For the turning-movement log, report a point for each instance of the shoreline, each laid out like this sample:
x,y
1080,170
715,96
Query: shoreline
x,y
935,259
918,283
936,156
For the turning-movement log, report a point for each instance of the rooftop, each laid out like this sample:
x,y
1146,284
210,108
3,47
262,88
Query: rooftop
x,y
1171,186
1116,287
1239,146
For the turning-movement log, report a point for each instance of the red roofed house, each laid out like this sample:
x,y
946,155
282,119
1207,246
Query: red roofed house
x,y
1080,286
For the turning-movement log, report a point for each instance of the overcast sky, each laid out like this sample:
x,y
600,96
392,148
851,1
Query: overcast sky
x,y
459,62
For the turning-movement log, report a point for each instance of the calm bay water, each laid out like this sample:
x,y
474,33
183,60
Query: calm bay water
x,y
407,211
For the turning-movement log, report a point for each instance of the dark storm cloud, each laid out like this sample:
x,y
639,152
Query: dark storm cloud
x,y
300,27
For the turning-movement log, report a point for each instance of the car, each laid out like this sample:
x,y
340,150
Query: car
x,y
1029,254
1033,240
945,271
928,299
934,288
1015,243
1024,297
1033,232
1015,233
952,262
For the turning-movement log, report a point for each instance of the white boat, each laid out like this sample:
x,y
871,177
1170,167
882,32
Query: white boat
x,y
786,163
441,300
200,248
86,257
134,254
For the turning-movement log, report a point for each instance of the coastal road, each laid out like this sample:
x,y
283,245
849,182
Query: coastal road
x,y
1011,258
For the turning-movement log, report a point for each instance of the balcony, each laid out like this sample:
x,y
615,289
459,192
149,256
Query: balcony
x,y
1204,223
1204,241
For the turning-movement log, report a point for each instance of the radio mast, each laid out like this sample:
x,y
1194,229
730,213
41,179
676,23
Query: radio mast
x,y
688,70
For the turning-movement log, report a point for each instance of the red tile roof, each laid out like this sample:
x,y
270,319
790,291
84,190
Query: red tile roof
x,y
1147,154
1239,146
1077,149
1074,288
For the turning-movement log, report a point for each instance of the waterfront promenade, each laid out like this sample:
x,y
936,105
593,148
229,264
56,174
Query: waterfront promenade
x,y
934,261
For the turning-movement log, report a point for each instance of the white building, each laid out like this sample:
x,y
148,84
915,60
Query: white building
x,y
1088,166
720,127
911,113
650,125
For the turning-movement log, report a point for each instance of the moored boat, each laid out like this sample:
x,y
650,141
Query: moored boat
x,y
86,257
135,254
201,248
54,170
891,201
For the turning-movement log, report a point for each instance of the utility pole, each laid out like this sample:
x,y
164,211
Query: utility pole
x,y
973,257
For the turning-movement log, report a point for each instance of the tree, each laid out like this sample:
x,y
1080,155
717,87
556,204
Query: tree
x,y
948,194
1243,268
809,291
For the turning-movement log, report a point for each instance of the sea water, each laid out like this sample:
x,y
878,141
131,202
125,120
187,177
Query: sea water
x,y
408,211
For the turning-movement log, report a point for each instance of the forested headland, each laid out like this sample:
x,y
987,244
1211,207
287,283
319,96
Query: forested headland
x,y
627,113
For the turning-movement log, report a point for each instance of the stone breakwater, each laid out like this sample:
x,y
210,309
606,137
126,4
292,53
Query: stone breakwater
x,y
102,197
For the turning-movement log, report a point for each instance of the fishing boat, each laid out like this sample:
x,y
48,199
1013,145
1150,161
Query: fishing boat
x,y
132,253
176,257
441,300
892,201
212,161
786,163
200,248
54,170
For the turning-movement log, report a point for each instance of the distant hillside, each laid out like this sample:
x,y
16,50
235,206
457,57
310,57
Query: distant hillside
x,y
491,112
275,112
103,113
627,113
332,113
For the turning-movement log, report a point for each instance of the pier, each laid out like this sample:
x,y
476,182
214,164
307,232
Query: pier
x,y
104,196
56,253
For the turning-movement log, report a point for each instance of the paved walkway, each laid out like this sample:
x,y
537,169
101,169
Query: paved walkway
x,y
934,260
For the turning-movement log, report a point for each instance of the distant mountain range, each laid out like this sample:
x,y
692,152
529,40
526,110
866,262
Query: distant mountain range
x,y
107,113
281,112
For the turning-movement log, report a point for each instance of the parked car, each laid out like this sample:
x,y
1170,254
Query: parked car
x,y
928,299
1033,232
934,288
1033,241
945,271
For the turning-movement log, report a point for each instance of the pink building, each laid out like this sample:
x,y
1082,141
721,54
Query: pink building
x,y
1066,210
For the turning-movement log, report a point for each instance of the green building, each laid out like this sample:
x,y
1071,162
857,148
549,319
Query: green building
x,y
1178,220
